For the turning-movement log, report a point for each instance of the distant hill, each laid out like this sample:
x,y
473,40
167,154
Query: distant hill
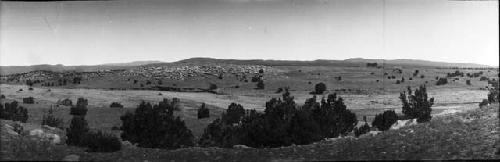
x,y
4,70
135,63
321,62
415,62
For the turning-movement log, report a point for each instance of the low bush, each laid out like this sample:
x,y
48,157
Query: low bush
x,y
467,82
485,102
29,100
80,108
12,111
50,120
101,142
319,88
385,120
116,105
362,130
203,112
442,81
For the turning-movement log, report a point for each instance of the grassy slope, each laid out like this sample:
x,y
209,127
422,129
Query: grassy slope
x,y
467,135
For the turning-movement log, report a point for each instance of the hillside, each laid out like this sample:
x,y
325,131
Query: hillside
x,y
354,62
466,135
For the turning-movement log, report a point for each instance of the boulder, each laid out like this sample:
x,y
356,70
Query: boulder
x,y
403,123
45,136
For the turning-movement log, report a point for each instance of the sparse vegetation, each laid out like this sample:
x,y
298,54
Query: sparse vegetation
x,y
51,120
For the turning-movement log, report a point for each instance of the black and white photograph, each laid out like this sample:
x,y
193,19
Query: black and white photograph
x,y
249,80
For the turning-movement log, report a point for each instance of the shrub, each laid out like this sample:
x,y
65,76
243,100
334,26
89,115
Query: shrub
x,y
50,120
234,113
80,108
12,111
256,78
29,100
279,90
116,105
101,142
203,112
385,120
66,102
493,94
30,88
467,82
442,81
319,88
155,126
483,78
76,131
212,86
417,105
2,96
398,82
260,84
485,102
362,130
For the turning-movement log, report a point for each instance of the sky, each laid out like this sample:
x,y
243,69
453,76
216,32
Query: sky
x,y
97,32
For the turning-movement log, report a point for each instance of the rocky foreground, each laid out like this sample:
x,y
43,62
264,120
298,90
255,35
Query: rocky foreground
x,y
465,135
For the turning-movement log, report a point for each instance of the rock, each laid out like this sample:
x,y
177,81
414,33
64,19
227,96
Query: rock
x,y
10,130
127,144
71,157
370,134
241,146
45,136
403,123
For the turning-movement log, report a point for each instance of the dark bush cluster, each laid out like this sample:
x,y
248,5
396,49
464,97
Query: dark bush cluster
x,y
98,141
12,111
79,134
29,100
155,126
50,120
417,105
116,105
203,112
371,64
385,120
319,88
81,107
455,74
362,130
283,123
468,82
493,94
442,81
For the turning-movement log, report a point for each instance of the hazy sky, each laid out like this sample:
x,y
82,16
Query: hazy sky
x,y
95,32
